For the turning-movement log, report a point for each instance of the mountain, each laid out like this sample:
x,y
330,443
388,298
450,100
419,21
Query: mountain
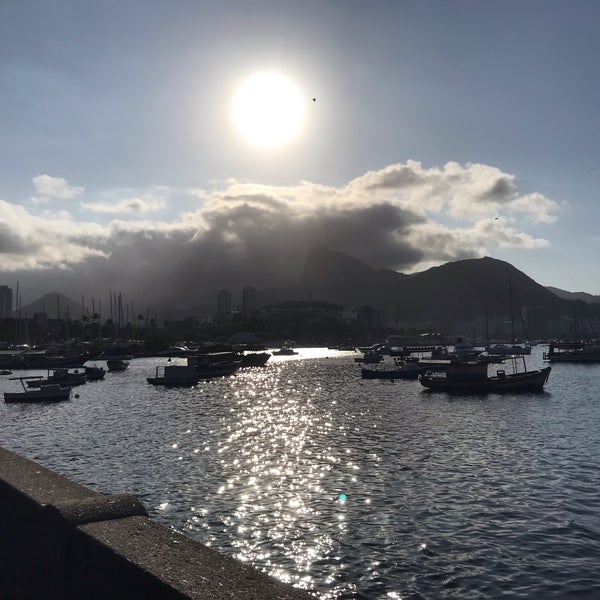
x,y
456,290
53,304
573,295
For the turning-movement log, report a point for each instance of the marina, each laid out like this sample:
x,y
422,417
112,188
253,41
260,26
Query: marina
x,y
349,487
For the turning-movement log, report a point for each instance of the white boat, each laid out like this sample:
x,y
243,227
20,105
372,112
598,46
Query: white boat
x,y
47,393
286,350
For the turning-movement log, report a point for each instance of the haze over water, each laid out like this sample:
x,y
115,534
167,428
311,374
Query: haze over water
x,y
351,488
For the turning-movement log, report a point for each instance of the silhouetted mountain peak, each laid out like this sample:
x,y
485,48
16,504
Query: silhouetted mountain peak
x,y
455,290
53,304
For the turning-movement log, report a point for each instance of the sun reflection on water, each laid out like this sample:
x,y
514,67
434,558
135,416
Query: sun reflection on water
x,y
274,460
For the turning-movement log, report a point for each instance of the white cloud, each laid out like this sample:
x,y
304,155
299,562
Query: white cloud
x,y
135,205
49,188
30,242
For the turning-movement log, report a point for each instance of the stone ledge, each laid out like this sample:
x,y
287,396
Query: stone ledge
x,y
63,540
101,508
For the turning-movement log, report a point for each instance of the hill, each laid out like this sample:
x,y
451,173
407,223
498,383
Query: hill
x,y
457,290
584,296
53,304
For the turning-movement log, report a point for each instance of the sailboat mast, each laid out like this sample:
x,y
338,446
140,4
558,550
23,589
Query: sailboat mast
x,y
512,316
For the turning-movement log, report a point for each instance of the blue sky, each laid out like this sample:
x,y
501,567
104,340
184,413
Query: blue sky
x,y
474,124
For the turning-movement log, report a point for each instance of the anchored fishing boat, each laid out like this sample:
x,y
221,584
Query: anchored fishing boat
x,y
47,393
473,377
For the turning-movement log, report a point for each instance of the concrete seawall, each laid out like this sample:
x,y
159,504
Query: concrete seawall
x,y
59,539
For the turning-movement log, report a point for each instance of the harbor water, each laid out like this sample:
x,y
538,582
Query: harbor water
x,y
350,488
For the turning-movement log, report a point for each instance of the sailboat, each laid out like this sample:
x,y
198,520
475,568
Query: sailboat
x,y
474,376
513,347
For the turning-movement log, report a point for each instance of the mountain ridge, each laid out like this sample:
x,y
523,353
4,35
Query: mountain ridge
x,y
457,290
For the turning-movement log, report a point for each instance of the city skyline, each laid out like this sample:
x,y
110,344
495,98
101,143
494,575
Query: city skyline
x,y
420,133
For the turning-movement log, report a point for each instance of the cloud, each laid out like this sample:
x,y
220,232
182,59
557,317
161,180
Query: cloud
x,y
135,205
403,217
49,188
32,243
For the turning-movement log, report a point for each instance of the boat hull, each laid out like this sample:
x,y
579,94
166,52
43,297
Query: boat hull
x,y
44,394
390,373
173,382
116,365
530,381
257,359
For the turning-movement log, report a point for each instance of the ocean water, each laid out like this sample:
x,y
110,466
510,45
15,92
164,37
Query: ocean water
x,y
350,488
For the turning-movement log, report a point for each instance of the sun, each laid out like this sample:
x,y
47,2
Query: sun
x,y
268,109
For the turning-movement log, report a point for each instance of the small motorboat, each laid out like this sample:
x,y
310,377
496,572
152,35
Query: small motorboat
x,y
286,350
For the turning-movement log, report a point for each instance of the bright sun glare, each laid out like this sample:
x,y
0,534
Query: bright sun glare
x,y
268,109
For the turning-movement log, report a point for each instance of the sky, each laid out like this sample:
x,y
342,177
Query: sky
x,y
425,132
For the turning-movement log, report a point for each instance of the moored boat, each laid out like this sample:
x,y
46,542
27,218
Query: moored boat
x,y
286,349
218,364
62,376
48,393
117,363
175,375
369,357
403,370
508,349
94,373
473,377
580,352
254,359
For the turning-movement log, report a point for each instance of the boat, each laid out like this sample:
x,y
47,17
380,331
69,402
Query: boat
x,y
578,352
44,360
175,375
117,357
286,349
62,376
513,347
179,351
404,369
217,364
19,358
508,349
473,377
94,373
464,350
254,359
117,363
369,357
47,393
